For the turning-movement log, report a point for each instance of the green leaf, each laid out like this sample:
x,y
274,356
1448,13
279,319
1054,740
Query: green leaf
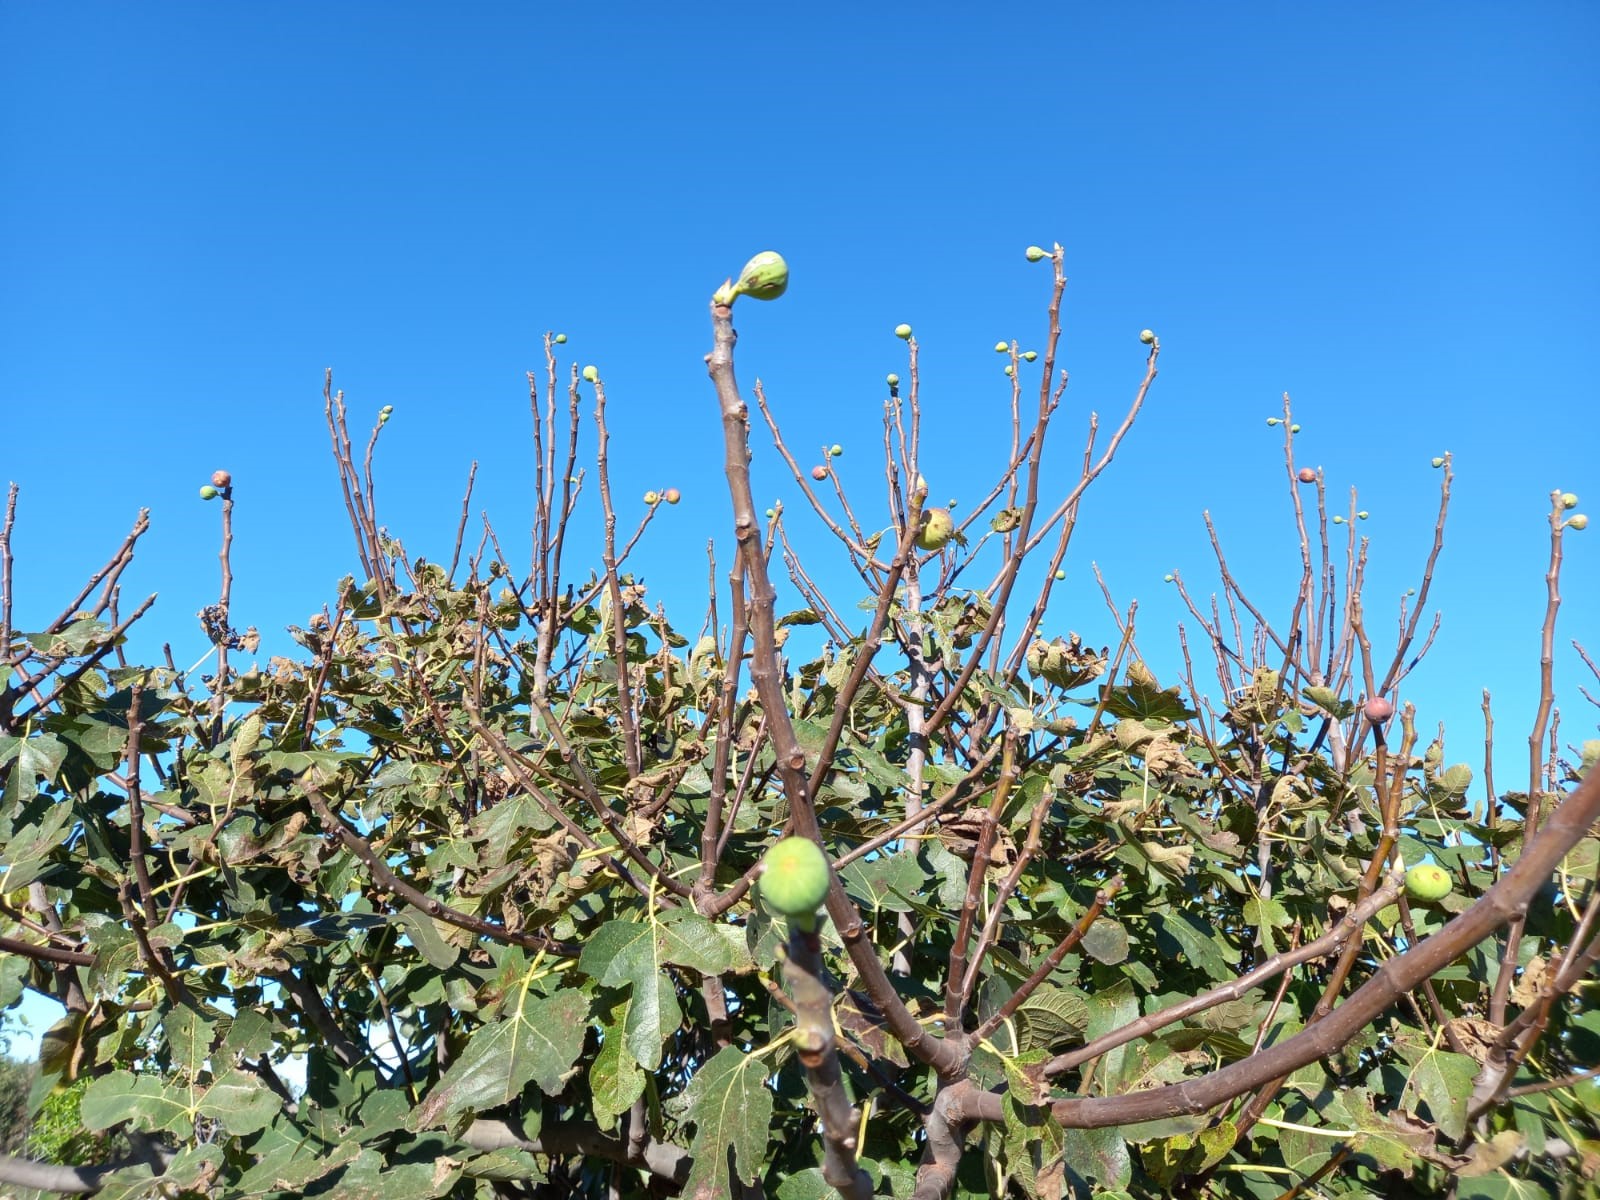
x,y
241,1102
731,1109
1444,1080
539,1042
142,1099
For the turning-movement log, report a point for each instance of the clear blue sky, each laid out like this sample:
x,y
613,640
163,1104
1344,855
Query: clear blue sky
x,y
1388,211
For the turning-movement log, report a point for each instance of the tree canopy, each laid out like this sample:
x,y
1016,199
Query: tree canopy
x,y
484,860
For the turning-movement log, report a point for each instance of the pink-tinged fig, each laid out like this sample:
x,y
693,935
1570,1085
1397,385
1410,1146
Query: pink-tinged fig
x,y
1377,710
1306,475
221,479
672,495
819,472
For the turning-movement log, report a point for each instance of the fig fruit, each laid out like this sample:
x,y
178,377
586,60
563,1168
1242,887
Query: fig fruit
x,y
208,492
1306,475
1035,253
1147,336
903,331
1378,710
1578,521
652,498
1029,355
835,450
1274,421
672,495
560,339
1001,347
1569,500
221,479
937,529
1437,463
1294,429
591,374
1427,882
794,877
893,380
765,277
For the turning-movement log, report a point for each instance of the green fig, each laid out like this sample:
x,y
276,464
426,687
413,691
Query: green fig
x,y
1060,575
1437,463
1035,253
1363,514
1569,500
561,339
1427,883
1030,355
836,450
1147,336
903,331
1294,429
1578,521
937,529
1274,421
1002,347
652,498
795,878
765,277
893,380
591,374
208,492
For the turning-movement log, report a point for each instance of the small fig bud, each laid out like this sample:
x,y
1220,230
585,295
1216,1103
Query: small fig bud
x,y
836,449
1060,574
1306,475
652,498
1377,710
772,513
937,529
903,331
1030,355
1274,421
1035,253
1002,347
1338,520
1578,521
1427,883
672,495
819,472
221,479
765,277
1009,369
1147,336
951,503
1569,500
591,374
1437,463
1363,514
1166,579
794,877
893,380
560,339
1294,429
208,492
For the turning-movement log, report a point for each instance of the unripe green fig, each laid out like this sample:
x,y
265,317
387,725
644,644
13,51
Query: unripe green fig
x,y
672,495
1274,421
652,498
1001,347
1147,336
1578,521
1035,253
1030,355
1009,369
1294,429
1569,500
208,492
771,513
1060,574
1166,579
1427,883
1363,514
765,277
1437,463
903,331
893,380
937,529
836,449
591,374
794,877
561,339
386,410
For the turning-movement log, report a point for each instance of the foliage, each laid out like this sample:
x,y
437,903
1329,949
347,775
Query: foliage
x,y
481,859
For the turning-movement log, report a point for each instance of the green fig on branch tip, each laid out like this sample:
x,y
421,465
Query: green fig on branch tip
x,y
795,878
1147,336
894,380
560,339
1001,347
764,277
903,331
1427,883
652,498
591,374
1035,253
937,529
835,450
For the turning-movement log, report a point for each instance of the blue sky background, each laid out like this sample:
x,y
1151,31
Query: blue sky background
x,y
1387,211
